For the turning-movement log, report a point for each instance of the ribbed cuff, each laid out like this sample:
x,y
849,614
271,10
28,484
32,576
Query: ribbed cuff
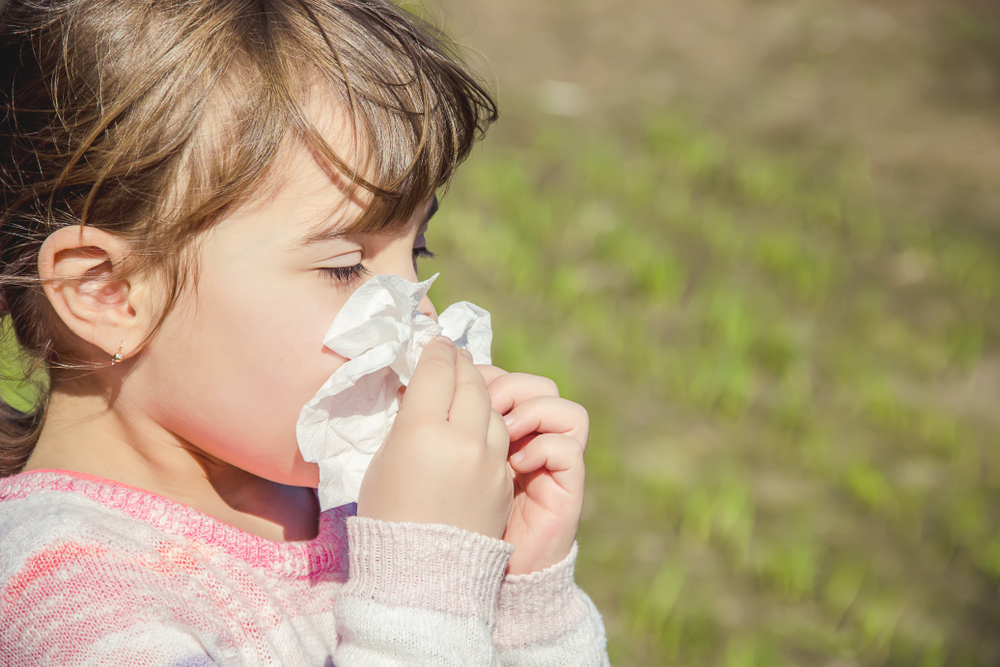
x,y
429,566
540,607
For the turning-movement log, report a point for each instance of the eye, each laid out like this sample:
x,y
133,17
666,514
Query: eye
x,y
345,274
423,253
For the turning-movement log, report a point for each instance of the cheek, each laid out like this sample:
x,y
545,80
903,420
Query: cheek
x,y
239,367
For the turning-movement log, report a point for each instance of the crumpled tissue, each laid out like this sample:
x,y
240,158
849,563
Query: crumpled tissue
x,y
381,333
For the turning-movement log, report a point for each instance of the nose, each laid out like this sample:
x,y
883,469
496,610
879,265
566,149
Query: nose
x,y
398,258
427,308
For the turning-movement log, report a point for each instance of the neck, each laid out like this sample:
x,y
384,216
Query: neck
x,y
83,433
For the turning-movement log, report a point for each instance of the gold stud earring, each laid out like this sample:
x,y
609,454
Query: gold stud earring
x,y
118,356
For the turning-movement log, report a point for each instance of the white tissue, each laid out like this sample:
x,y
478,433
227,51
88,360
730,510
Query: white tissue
x,y
382,334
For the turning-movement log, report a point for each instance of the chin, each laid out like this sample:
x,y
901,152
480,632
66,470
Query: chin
x,y
298,473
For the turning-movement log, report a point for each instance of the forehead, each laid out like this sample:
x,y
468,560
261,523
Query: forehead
x,y
302,180
308,202
325,174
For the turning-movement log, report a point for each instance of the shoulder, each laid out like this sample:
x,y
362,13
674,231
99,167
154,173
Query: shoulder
x,y
54,522
57,522
56,544
92,561
73,571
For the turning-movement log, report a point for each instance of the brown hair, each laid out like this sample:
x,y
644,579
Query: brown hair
x,y
153,120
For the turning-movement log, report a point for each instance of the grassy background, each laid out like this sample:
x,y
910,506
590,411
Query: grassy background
x,y
758,241
771,477
783,324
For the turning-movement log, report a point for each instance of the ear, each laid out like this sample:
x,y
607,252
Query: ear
x,y
78,266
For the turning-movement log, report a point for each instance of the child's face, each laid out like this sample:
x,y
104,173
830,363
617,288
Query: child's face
x,y
239,356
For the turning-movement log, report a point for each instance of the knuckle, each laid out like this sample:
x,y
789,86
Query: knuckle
x,y
500,388
509,382
575,451
550,386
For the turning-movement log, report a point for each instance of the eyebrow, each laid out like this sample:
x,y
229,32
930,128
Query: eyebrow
x,y
336,232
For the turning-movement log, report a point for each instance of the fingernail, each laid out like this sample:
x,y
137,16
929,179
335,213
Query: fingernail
x,y
509,419
466,354
444,340
517,456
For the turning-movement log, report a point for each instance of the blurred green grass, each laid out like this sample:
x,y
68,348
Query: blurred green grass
x,y
780,471
15,390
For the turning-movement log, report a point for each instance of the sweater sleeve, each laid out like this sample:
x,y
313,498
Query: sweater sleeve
x,y
545,619
418,594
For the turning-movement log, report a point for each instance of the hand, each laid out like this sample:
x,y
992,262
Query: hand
x,y
445,459
548,436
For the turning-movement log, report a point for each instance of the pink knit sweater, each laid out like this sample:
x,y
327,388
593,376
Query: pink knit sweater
x,y
98,573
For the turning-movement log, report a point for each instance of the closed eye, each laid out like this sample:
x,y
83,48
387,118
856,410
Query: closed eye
x,y
348,274
345,274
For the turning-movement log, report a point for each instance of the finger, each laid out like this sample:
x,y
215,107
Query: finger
x,y
432,387
509,389
497,439
490,373
470,407
545,414
559,455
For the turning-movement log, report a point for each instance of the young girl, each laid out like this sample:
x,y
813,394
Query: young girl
x,y
191,190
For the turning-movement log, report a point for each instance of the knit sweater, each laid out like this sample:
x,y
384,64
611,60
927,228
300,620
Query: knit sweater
x,y
97,573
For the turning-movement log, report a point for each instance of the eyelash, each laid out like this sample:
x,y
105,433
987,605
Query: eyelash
x,y
345,274
348,274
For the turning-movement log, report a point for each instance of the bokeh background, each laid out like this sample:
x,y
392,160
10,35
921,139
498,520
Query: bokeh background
x,y
759,240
